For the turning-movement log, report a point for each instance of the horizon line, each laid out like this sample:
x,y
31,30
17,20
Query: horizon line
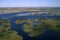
x,y
24,7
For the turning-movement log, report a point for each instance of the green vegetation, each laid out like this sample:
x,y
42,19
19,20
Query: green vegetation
x,y
20,21
37,30
53,24
27,27
6,33
35,27
30,28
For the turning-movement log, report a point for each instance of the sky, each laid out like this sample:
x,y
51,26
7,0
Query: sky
x,y
29,3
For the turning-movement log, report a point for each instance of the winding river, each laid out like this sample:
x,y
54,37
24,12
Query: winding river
x,y
18,27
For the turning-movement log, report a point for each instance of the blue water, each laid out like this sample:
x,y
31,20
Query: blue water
x,y
47,35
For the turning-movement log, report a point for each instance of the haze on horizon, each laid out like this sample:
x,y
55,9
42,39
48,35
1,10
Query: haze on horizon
x,y
29,3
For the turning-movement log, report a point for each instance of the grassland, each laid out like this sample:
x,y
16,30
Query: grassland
x,y
6,33
37,26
